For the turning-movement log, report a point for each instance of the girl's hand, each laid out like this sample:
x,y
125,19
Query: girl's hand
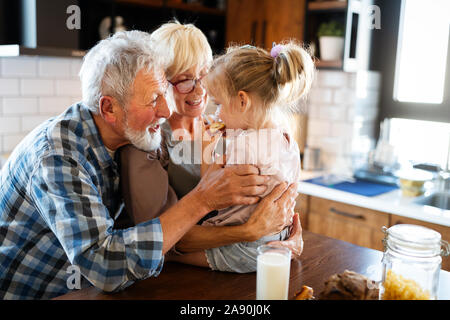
x,y
273,213
295,240
208,147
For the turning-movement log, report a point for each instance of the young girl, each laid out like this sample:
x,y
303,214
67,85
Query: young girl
x,y
254,89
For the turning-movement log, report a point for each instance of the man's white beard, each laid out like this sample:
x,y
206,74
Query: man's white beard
x,y
144,140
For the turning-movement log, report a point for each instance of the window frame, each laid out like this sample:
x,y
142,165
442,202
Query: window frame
x,y
387,41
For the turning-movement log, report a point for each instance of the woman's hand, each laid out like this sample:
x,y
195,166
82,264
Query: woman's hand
x,y
295,240
208,147
222,187
273,213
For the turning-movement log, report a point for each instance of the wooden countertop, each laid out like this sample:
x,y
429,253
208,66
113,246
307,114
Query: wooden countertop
x,y
321,258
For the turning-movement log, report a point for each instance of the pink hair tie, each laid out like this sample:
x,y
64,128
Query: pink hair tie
x,y
276,49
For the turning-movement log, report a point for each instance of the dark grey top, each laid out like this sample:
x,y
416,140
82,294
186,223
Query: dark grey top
x,y
184,176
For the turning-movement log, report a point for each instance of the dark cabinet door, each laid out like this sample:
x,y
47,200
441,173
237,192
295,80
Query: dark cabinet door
x,y
283,20
263,22
244,22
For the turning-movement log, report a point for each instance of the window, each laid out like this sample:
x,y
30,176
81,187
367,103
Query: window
x,y
422,51
420,141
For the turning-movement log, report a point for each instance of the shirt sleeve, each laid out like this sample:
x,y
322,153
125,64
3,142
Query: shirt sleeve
x,y
71,205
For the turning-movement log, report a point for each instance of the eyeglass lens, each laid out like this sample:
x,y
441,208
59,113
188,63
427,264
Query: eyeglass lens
x,y
186,86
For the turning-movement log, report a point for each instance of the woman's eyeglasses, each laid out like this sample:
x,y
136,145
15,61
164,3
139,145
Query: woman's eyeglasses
x,y
186,86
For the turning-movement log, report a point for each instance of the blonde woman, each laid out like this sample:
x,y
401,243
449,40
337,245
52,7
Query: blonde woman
x,y
254,87
145,176
188,57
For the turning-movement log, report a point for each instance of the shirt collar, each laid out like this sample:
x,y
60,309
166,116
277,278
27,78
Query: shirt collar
x,y
94,139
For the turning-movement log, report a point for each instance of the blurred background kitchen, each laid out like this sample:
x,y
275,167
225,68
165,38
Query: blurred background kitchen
x,y
374,134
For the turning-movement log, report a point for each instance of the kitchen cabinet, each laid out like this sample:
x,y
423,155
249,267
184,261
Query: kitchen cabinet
x,y
444,231
355,16
148,15
357,225
263,22
98,19
338,220
302,207
176,4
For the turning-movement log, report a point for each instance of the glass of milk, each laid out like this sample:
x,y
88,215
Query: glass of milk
x,y
272,273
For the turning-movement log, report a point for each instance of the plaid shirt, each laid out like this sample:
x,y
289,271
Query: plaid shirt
x,y
59,191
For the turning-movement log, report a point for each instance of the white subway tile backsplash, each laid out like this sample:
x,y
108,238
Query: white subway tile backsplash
x,y
18,106
333,113
368,80
328,159
344,96
76,66
341,129
31,122
33,89
68,87
9,87
37,87
19,67
362,113
313,141
55,67
334,79
342,108
351,81
313,111
10,125
318,127
78,99
333,144
367,98
10,141
321,95
53,105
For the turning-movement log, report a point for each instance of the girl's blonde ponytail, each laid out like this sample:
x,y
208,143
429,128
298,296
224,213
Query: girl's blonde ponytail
x,y
293,72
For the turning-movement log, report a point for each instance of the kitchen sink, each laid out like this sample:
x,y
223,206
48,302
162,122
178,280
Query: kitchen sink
x,y
439,200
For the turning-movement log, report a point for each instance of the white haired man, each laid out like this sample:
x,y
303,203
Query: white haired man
x,y
59,190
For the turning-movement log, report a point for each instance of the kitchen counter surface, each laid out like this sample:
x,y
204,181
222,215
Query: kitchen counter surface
x,y
391,202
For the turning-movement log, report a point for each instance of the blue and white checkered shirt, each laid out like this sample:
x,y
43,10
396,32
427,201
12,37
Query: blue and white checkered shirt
x,y
59,191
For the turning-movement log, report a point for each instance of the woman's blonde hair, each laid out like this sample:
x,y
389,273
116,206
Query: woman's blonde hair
x,y
279,81
182,46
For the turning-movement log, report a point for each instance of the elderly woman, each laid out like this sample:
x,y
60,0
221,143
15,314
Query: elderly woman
x,y
187,59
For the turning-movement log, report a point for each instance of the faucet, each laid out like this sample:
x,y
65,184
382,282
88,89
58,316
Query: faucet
x,y
443,178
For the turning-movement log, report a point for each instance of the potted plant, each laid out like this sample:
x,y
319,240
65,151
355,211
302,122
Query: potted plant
x,y
331,40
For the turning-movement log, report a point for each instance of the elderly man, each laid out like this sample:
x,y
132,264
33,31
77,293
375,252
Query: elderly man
x,y
59,190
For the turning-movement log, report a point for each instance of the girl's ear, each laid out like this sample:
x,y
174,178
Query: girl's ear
x,y
244,100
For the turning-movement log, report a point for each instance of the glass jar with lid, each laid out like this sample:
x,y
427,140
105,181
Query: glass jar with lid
x,y
411,262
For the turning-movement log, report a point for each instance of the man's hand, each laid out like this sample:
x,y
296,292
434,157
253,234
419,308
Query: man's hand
x,y
222,187
295,240
273,213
